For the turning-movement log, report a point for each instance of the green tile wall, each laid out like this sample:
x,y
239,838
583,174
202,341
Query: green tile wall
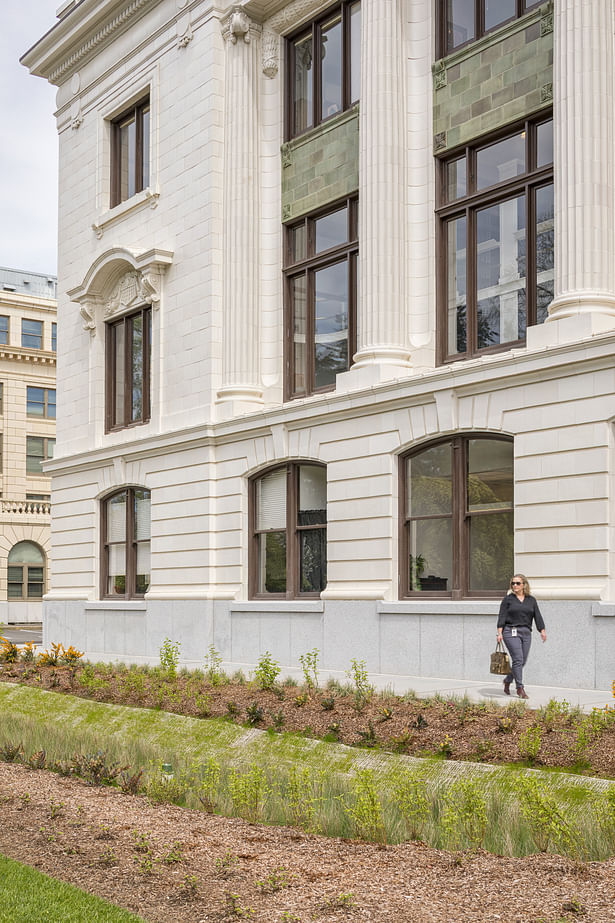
x,y
321,166
499,79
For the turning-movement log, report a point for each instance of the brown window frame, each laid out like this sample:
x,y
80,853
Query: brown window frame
x,y
45,404
313,28
460,516
38,336
467,206
521,8
131,546
348,252
135,111
45,457
25,575
293,532
111,425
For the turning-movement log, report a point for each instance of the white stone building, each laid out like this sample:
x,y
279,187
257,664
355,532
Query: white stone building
x,y
27,439
337,330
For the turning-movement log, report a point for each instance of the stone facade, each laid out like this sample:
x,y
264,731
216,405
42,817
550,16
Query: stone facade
x,y
206,236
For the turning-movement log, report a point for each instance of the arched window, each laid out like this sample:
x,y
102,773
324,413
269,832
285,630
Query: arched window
x,y
288,516
26,572
457,518
126,543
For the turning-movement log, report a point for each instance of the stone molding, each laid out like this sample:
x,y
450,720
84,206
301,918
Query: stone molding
x,y
134,288
238,25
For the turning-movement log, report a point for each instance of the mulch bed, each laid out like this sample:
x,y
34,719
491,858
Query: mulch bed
x,y
115,846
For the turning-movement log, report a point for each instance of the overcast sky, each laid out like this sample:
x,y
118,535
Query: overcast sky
x,y
28,151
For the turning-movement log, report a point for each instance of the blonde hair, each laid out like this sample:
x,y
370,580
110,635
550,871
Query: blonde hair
x,y
526,586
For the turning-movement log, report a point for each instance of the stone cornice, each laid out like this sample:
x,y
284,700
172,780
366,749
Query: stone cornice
x,y
35,356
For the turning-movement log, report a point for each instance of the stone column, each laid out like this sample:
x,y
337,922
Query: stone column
x,y
241,390
382,338
584,167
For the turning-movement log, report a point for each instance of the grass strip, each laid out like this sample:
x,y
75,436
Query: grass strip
x,y
27,894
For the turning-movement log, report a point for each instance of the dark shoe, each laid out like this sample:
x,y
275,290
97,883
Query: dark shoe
x,y
522,693
506,688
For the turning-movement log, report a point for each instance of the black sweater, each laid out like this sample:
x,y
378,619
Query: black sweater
x,y
517,614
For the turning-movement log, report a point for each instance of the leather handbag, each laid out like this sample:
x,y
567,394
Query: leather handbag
x,y
500,663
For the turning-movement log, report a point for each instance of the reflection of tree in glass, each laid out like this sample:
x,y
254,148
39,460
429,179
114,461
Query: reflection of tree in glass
x,y
275,562
137,368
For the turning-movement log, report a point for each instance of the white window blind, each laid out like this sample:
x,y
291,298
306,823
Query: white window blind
x,y
271,501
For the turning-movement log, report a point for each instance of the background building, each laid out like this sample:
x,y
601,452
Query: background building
x,y
27,412
337,302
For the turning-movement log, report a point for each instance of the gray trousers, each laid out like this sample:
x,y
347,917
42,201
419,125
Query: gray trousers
x,y
519,649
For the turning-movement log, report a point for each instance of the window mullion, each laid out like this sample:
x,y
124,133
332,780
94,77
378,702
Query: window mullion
x,y
131,551
460,566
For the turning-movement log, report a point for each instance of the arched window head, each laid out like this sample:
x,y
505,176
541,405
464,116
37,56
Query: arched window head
x,y
126,543
457,518
26,572
288,514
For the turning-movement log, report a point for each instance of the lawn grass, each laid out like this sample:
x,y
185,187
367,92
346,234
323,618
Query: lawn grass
x,y
284,778
27,895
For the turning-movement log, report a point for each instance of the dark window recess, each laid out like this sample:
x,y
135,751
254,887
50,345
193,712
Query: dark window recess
x,y
320,298
32,333
128,349
39,449
126,520
130,152
457,518
496,229
319,85
288,516
463,21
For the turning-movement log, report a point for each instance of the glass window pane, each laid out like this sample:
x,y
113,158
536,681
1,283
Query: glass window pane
x,y
116,518
298,295
51,403
54,337
545,274
460,25
355,52
142,514
271,501
35,402
500,272
331,230
298,243
136,403
456,183
116,580
51,446
32,334
119,355
491,551
490,474
145,152
497,11
429,483
430,547
15,583
272,562
4,330
26,553
128,150
331,323
312,495
500,161
313,560
544,144
303,88
35,453
143,568
331,66
457,315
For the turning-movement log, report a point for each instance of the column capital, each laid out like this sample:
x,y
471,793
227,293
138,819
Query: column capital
x,y
238,26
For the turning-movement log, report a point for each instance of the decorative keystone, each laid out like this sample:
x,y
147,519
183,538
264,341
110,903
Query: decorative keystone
x,y
546,18
439,75
546,93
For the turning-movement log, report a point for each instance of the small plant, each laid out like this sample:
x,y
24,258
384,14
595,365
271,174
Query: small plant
x,y
27,652
335,729
249,791
410,796
301,799
573,906
328,703
108,857
51,658
547,821
175,854
131,783
529,743
146,865
344,900
483,749
9,652
210,782
202,704
386,713
362,688
141,843
553,711
464,818
505,725
278,720
227,865
105,832
445,748
11,753
95,768
56,809
267,671
169,656
277,881
366,810
165,787
190,887
213,667
288,917
70,656
302,699
233,907
232,709
255,714
309,665
421,722
368,736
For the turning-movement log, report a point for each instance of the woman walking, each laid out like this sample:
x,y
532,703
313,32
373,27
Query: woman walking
x,y
517,612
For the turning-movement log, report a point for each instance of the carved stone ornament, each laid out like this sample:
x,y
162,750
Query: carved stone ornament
x,y
439,75
271,53
439,141
184,31
546,93
76,116
237,25
134,288
287,156
87,313
546,19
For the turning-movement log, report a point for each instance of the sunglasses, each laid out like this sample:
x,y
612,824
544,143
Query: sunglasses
x,y
516,582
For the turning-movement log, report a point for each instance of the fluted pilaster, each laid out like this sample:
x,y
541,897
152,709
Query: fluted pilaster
x,y
241,387
382,334
584,159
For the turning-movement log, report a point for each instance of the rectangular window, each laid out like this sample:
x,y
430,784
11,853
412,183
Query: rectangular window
x,y
1,397
38,450
128,369
462,21
54,337
130,152
319,85
4,331
32,333
496,242
41,402
126,543
321,295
